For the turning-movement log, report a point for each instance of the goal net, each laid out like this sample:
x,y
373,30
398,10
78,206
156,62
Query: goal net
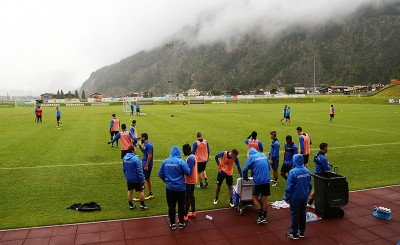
x,y
126,106
241,101
25,103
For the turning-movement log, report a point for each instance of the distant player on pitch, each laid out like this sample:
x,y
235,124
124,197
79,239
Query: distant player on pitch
x,y
58,116
114,128
331,113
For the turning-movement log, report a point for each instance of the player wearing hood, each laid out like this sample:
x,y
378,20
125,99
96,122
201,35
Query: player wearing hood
x,y
260,168
172,172
298,187
134,176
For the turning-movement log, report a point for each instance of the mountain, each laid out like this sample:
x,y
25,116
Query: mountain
x,y
361,49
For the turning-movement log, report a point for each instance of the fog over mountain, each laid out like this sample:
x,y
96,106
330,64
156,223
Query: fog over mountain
x,y
49,45
256,44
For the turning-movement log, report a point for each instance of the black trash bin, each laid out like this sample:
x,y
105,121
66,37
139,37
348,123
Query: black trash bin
x,y
331,192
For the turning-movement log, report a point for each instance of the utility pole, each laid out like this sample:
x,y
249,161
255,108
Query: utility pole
x,y
169,46
314,80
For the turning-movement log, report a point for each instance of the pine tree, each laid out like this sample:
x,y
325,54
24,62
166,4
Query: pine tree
x,y
58,96
69,95
62,95
76,96
83,95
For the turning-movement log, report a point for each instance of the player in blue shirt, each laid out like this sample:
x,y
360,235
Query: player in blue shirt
x,y
132,107
298,186
260,167
172,172
284,114
321,165
58,117
290,151
134,177
287,115
137,109
274,156
147,160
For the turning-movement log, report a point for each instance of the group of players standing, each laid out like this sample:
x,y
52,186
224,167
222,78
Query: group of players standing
x,y
181,177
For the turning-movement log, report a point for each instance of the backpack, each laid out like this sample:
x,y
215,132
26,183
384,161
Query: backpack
x,y
86,207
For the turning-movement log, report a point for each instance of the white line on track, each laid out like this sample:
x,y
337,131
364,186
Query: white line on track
x,y
113,163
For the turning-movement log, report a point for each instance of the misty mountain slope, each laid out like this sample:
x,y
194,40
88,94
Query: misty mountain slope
x,y
363,49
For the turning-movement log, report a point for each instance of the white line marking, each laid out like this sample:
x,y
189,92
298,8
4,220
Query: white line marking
x,y
111,163
65,165
355,146
345,126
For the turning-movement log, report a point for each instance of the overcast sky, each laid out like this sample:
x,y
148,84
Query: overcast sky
x,y
47,45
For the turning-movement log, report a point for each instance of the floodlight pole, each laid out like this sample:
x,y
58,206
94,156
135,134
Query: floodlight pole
x,y
169,45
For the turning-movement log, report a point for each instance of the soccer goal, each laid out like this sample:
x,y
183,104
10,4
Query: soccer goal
x,y
126,106
25,103
196,101
245,101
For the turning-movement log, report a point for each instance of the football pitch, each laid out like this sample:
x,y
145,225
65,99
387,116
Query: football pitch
x,y
44,170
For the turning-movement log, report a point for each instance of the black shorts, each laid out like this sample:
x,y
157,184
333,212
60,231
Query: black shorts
x,y
147,173
201,166
332,115
286,168
189,189
221,176
123,153
113,133
306,158
58,119
263,189
135,186
288,117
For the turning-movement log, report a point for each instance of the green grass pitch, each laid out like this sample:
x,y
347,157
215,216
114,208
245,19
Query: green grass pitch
x,y
43,170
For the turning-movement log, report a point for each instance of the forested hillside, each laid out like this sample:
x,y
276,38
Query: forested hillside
x,y
362,49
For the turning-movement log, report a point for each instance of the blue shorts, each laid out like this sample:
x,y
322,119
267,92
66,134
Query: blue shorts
x,y
275,163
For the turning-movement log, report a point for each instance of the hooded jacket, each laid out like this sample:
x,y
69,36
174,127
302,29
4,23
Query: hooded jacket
x,y
132,168
298,184
173,169
259,165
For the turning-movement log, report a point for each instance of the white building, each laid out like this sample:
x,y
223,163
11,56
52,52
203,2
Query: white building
x,y
193,92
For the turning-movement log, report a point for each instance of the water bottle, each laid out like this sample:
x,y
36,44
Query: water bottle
x,y
375,211
209,217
